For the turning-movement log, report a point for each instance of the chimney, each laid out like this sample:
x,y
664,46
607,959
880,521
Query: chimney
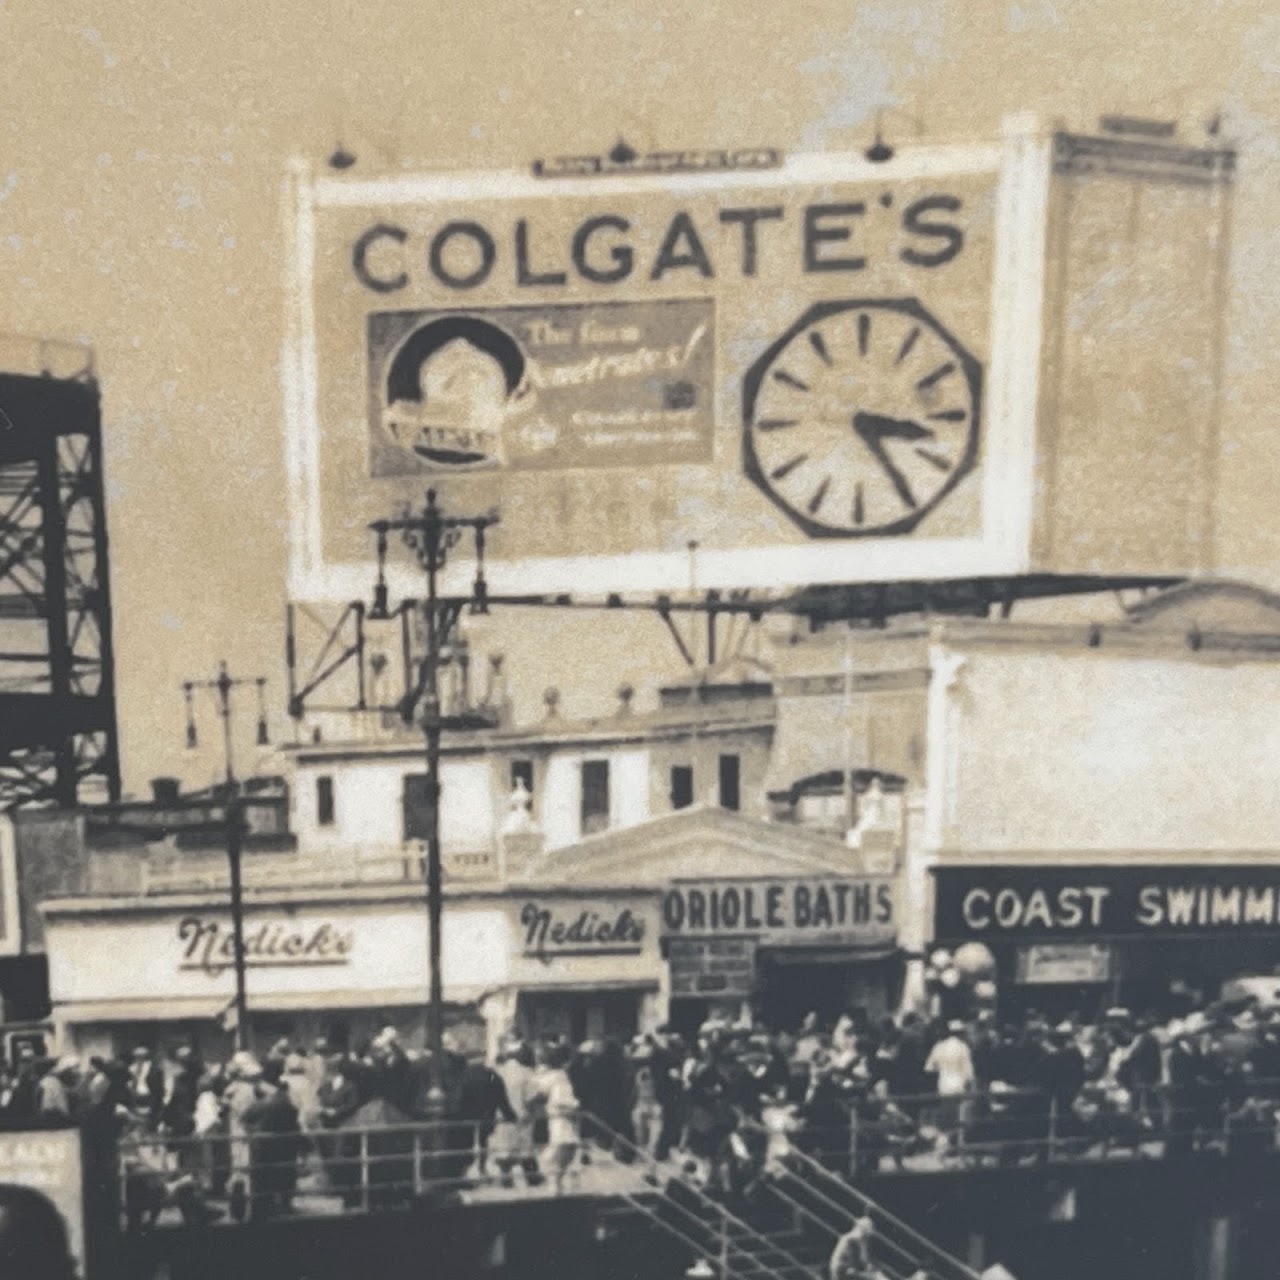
x,y
164,791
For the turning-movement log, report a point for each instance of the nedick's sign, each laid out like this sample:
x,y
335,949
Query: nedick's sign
x,y
1027,903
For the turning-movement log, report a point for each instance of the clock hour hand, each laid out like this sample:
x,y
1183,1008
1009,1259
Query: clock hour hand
x,y
873,429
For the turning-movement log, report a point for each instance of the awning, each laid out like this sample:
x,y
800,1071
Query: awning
x,y
201,1008
828,955
577,988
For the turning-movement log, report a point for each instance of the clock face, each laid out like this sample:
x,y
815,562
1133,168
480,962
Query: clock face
x,y
862,417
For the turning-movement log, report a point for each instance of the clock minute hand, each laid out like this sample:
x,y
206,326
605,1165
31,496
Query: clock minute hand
x,y
873,429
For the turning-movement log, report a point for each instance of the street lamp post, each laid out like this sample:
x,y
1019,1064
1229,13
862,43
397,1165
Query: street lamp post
x,y
431,535
222,686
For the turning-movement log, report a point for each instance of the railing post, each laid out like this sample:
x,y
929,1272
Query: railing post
x,y
853,1142
724,1244
364,1170
1053,1124
417,1163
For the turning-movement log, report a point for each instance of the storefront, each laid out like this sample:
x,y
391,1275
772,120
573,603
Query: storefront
x,y
785,945
124,972
1082,937
584,966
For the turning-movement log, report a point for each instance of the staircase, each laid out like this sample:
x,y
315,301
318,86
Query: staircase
x,y
733,1248
824,1206
784,1229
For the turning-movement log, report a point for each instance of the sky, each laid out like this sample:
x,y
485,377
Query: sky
x,y
143,149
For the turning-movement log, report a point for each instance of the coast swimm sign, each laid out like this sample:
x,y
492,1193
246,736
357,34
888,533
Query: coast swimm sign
x,y
590,385
1021,902
208,944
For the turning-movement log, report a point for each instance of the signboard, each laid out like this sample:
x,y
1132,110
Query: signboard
x,y
1066,962
573,928
818,911
1023,903
143,956
42,1200
822,370
208,944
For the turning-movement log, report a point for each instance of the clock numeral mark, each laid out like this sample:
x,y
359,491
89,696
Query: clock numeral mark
x,y
775,424
934,459
858,514
789,379
819,496
820,347
949,415
781,473
910,341
864,333
931,379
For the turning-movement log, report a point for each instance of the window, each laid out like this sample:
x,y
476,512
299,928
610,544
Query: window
x,y
730,783
417,816
522,771
681,786
595,796
324,800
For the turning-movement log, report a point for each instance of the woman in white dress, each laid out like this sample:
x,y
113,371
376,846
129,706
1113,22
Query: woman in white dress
x,y
561,1104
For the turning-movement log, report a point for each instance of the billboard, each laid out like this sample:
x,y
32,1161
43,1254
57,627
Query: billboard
x,y
823,371
42,1196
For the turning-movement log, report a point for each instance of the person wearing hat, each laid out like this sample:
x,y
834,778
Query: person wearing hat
x,y
146,1084
645,1107
243,1074
53,1100
950,1062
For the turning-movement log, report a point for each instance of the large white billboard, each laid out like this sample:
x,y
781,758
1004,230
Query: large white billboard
x,y
823,371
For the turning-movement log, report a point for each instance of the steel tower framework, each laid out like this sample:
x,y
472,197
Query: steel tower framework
x,y
58,742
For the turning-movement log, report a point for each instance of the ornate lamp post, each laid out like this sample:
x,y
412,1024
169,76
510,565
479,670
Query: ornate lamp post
x,y
432,535
234,817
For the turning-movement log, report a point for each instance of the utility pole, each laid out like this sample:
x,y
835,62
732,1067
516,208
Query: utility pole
x,y
233,808
432,535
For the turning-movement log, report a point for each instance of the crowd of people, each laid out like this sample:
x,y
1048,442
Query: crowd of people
x,y
727,1104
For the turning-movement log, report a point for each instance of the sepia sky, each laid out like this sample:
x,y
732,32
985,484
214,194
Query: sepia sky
x,y
143,145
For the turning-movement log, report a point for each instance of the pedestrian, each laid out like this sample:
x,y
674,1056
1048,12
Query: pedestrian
x,y
851,1257
511,1143
645,1108
272,1123
561,1106
482,1102
951,1064
146,1085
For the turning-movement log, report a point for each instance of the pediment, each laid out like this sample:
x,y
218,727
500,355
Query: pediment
x,y
696,843
1210,605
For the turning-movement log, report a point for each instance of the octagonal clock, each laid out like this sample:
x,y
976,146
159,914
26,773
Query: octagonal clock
x,y
862,417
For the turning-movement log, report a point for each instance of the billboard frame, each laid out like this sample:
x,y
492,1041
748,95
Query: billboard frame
x,y
1022,164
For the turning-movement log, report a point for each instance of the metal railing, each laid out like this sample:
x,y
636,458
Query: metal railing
x,y
249,1176
831,1204
706,1225
929,1132
239,1177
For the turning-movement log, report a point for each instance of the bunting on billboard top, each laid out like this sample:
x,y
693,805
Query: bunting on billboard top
x,y
820,371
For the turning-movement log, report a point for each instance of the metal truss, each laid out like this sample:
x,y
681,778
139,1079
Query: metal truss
x,y
58,742
346,651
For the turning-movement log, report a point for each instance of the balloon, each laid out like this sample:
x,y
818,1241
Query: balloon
x,y
940,959
974,960
931,974
951,977
984,990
